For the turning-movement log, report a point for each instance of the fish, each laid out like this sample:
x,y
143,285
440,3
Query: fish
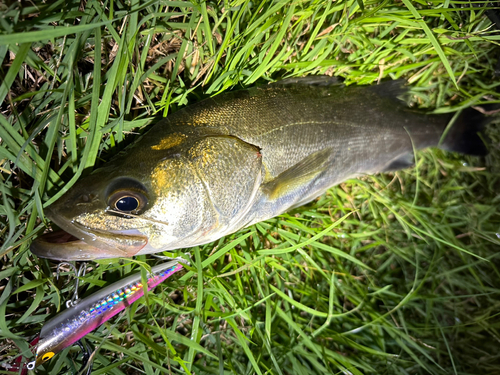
x,y
68,327
242,157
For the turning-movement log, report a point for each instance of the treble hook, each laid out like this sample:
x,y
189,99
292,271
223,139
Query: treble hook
x,y
80,273
87,355
87,363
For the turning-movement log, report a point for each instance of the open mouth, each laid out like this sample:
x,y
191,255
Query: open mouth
x,y
59,236
60,245
63,246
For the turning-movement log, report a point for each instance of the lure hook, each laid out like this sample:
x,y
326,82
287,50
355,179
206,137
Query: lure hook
x,y
87,363
80,273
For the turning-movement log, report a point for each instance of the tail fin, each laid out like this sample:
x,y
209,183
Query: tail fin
x,y
466,134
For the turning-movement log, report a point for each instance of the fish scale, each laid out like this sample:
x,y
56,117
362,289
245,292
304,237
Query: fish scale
x,y
242,157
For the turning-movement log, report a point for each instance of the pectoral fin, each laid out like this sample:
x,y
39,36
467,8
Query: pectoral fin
x,y
297,176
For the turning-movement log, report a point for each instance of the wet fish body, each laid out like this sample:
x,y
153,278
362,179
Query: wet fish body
x,y
242,157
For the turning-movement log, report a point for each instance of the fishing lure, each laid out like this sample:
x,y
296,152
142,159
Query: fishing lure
x,y
71,325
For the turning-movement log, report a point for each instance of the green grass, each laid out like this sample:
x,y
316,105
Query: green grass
x,y
388,274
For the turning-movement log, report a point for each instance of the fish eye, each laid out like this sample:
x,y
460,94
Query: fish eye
x,y
128,201
47,356
127,204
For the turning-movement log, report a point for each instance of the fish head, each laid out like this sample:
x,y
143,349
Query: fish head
x,y
142,203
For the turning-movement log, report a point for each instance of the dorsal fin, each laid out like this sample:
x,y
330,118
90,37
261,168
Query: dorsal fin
x,y
395,90
309,81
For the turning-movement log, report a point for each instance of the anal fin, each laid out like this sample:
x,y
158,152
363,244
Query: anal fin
x,y
401,162
298,175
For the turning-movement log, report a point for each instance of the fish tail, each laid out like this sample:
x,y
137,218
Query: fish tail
x,y
466,135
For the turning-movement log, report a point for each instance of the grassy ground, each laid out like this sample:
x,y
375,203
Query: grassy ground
x,y
389,274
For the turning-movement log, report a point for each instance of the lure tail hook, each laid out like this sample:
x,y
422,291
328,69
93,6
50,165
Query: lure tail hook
x,y
87,362
80,273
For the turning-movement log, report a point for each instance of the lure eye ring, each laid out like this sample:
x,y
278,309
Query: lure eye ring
x,y
128,201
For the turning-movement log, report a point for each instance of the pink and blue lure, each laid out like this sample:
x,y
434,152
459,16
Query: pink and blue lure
x,y
71,325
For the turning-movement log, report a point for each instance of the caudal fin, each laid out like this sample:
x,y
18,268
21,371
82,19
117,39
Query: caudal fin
x,y
466,134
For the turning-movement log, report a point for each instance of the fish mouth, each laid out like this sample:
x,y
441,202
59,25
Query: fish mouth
x,y
77,243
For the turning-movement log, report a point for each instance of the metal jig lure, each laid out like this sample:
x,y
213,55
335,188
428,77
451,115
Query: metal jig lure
x,y
71,325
